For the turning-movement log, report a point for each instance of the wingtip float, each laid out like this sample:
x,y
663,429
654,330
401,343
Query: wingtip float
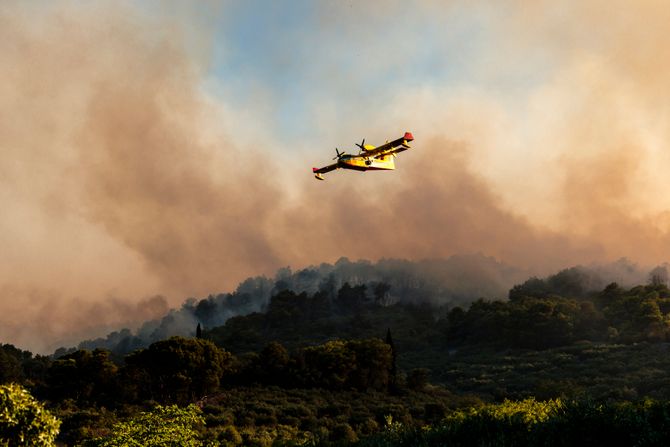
x,y
369,158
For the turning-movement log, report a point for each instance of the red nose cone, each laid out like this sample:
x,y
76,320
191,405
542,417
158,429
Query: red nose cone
x,y
408,136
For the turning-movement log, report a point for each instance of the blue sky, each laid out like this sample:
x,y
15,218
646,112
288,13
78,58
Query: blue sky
x,y
350,60
302,55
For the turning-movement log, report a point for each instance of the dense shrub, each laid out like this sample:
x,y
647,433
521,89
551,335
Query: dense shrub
x,y
161,427
532,423
23,420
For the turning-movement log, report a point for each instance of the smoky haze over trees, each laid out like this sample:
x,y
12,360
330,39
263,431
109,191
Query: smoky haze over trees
x,y
454,281
457,281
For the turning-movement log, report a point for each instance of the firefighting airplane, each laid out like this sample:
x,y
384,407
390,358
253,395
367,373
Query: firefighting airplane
x,y
369,157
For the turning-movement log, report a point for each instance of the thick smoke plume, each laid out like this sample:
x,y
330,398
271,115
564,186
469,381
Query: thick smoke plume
x,y
121,179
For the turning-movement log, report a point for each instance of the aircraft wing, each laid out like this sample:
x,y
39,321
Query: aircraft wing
x,y
325,169
389,152
401,144
319,171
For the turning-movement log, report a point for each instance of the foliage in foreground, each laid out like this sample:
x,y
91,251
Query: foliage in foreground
x,y
163,426
533,423
276,414
23,420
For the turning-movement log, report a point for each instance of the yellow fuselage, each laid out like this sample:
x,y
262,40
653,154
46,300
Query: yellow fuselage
x,y
360,163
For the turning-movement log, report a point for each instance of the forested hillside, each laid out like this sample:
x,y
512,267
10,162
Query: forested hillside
x,y
456,281
351,365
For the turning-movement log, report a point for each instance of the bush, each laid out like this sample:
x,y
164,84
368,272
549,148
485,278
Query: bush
x,y
163,426
23,420
229,436
343,433
533,423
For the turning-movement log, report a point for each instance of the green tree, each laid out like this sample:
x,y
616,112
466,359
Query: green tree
x,y
328,365
162,427
374,361
178,369
18,366
23,420
342,364
531,287
351,298
638,314
10,367
86,376
273,362
659,276
285,308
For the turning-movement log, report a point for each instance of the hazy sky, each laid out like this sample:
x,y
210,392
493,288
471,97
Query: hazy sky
x,y
151,151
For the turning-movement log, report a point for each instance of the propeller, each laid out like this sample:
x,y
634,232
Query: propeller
x,y
362,145
339,154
